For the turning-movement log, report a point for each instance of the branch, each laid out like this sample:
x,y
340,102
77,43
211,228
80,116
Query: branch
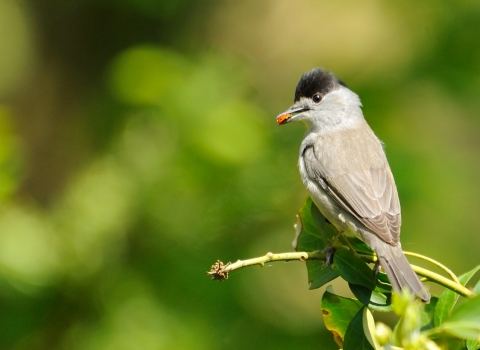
x,y
438,279
434,262
219,270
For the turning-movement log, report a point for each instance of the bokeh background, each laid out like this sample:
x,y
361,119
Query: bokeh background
x,y
138,144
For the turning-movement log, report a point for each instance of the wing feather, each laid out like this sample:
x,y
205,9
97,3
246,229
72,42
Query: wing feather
x,y
368,192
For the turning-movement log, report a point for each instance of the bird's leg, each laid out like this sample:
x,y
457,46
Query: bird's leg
x,y
376,269
329,254
330,250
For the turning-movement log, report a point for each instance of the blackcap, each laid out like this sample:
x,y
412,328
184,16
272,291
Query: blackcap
x,y
344,168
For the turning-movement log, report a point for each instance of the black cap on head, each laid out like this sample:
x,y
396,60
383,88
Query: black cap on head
x,y
316,80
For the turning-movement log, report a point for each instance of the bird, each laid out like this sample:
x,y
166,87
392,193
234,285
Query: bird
x,y
344,168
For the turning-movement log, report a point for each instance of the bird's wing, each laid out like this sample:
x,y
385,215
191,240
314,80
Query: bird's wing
x,y
368,193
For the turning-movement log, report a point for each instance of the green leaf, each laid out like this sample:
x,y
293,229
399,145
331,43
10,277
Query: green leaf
x,y
337,313
409,324
476,289
469,310
473,344
360,246
463,330
361,293
314,269
373,299
313,233
327,230
447,300
464,322
383,278
383,284
449,342
427,314
324,276
370,328
309,236
353,269
355,338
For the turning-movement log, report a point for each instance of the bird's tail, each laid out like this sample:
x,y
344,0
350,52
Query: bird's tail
x,y
399,271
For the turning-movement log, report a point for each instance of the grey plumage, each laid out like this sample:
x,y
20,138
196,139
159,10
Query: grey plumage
x,y
343,166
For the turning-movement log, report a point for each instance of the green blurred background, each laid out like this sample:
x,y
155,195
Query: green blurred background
x,y
138,144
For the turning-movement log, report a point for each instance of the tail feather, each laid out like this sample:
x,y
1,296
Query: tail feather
x,y
399,271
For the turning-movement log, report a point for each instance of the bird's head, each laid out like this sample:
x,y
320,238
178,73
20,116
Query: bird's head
x,y
322,101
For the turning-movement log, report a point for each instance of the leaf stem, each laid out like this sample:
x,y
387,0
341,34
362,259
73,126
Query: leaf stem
x,y
436,263
434,277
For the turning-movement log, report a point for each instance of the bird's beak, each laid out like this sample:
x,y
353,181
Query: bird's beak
x,y
290,115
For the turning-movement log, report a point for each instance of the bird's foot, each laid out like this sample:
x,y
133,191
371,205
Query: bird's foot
x,y
329,254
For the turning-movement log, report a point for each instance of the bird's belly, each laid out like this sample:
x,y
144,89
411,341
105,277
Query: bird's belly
x,y
327,206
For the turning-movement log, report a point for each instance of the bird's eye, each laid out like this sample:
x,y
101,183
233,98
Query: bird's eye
x,y
317,97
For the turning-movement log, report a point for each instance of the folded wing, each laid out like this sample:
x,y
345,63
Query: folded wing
x,y
368,193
